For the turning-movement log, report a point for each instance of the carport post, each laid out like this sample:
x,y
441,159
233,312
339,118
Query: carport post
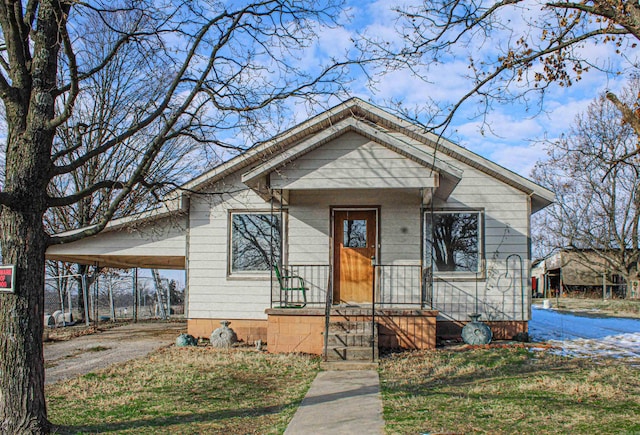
x,y
85,294
61,299
111,305
135,294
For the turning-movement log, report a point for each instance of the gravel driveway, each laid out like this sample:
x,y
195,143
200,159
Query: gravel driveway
x,y
81,355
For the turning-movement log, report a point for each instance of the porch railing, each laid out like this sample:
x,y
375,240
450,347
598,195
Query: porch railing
x,y
398,286
411,287
456,303
317,279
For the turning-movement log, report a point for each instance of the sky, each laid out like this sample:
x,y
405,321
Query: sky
x,y
511,135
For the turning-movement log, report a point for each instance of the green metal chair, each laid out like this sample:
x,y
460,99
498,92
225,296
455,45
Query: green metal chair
x,y
287,288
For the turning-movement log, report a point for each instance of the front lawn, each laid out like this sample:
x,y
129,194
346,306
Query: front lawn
x,y
501,389
185,391
508,390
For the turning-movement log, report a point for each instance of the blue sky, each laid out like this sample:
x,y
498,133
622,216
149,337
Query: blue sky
x,y
512,135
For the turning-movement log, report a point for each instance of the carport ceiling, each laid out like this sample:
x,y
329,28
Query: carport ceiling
x,y
124,261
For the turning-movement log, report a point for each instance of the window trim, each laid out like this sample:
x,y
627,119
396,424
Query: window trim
x,y
259,275
465,275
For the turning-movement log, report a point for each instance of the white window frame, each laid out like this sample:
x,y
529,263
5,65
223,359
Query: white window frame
x,y
463,274
252,273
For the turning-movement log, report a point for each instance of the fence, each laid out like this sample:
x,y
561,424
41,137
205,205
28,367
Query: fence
x,y
110,297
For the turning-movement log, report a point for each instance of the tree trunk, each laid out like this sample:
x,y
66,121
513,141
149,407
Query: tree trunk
x,y
22,404
24,242
29,109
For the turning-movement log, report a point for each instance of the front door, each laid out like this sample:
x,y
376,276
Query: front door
x,y
354,245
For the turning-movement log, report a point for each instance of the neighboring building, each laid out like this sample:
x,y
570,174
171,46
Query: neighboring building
x,y
579,273
367,209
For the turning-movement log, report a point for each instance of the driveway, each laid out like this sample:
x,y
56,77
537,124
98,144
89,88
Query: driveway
x,y
81,355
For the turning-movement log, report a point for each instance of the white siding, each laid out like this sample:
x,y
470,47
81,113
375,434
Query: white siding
x,y
310,223
212,293
352,162
506,236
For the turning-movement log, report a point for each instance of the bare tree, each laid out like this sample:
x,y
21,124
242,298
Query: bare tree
x,y
514,49
104,103
229,64
597,211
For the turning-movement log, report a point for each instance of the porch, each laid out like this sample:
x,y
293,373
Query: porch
x,y
407,308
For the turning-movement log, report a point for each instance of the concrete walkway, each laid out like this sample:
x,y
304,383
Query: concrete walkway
x,y
340,402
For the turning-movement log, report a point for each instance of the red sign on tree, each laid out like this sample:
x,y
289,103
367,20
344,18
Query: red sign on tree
x,y
6,279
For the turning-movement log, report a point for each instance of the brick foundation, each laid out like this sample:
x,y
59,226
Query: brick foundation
x,y
400,329
292,330
501,330
249,331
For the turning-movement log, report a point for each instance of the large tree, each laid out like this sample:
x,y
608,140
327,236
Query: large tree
x,y
220,66
514,49
597,211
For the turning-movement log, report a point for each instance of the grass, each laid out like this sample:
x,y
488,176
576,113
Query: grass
x,y
185,391
508,390
498,389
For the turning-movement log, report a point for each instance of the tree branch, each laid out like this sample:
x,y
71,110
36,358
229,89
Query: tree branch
x,y
164,104
74,86
72,199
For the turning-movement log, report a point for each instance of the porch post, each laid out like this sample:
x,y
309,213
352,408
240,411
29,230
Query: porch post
x,y
271,253
135,294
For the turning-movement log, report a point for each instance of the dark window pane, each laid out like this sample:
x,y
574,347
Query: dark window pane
x,y
355,234
255,242
452,241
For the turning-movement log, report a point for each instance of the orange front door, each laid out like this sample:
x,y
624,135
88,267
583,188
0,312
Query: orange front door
x,y
354,239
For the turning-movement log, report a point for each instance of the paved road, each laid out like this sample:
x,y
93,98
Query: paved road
x,y
81,355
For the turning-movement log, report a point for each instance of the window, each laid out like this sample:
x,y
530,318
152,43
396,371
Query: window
x,y
452,241
355,233
256,242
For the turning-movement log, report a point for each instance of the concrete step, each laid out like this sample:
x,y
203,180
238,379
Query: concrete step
x,y
346,339
348,365
348,313
350,327
352,353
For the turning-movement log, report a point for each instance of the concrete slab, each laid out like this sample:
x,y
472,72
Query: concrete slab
x,y
340,402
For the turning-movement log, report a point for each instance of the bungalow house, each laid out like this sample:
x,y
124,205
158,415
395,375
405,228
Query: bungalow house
x,y
395,235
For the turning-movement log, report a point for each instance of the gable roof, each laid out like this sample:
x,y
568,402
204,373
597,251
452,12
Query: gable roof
x,y
452,174
377,125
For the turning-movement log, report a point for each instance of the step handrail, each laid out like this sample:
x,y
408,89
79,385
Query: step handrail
x,y
327,312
